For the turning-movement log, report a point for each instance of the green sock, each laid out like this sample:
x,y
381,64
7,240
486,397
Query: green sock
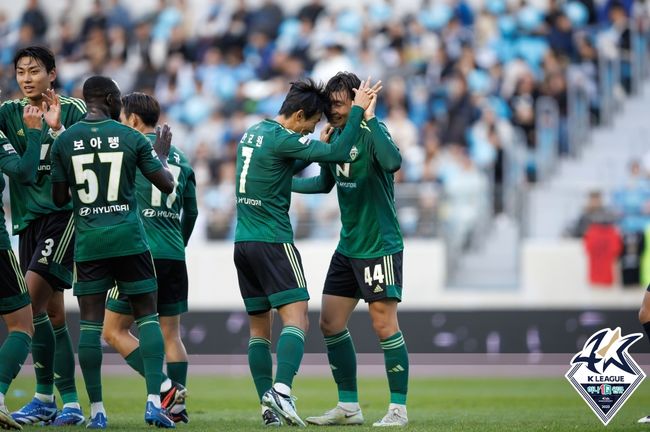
x,y
90,358
64,366
396,358
261,364
43,354
135,361
13,353
291,347
343,362
153,351
177,371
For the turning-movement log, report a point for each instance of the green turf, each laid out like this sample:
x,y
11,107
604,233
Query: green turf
x,y
229,404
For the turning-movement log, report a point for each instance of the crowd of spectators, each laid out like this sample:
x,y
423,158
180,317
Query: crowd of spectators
x,y
461,81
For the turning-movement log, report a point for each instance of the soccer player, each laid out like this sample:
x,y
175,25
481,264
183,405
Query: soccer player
x,y
368,260
95,161
168,232
269,267
45,238
14,298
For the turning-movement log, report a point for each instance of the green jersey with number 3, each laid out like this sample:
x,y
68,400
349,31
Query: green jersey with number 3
x,y
30,202
99,160
265,160
365,188
161,213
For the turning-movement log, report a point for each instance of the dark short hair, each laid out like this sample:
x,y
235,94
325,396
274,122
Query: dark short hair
x,y
41,54
143,105
97,88
306,95
342,81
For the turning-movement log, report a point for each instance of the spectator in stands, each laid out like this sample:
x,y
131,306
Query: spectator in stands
x,y
35,18
595,211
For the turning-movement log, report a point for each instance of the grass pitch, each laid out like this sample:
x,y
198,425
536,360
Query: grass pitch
x,y
218,403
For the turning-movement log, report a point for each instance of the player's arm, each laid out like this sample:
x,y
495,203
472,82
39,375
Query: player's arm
x,y
384,149
23,169
190,209
300,147
60,186
300,165
155,168
322,183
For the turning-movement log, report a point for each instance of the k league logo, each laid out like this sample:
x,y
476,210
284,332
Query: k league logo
x,y
604,373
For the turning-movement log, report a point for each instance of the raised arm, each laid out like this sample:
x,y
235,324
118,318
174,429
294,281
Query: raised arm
x,y
23,169
161,178
322,183
384,149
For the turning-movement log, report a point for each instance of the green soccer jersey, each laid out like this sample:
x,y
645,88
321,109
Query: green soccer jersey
x,y
30,202
366,194
22,169
161,213
98,160
265,159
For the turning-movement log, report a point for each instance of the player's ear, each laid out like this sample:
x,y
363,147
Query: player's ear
x,y
52,75
300,115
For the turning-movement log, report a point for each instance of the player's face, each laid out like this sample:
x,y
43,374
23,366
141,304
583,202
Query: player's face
x,y
32,77
307,125
340,109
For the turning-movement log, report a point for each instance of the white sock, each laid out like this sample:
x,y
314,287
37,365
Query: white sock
x,y
282,388
400,407
72,405
44,398
350,406
2,399
155,399
165,385
96,408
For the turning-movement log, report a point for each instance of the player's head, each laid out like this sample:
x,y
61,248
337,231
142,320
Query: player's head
x,y
303,106
35,70
340,92
140,111
102,93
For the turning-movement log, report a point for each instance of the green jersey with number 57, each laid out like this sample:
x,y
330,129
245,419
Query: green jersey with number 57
x,y
161,213
265,161
99,160
30,202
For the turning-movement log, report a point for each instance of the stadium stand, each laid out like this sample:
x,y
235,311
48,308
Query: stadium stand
x,y
492,103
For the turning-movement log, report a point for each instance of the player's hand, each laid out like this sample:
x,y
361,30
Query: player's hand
x,y
326,133
51,107
32,117
163,141
365,92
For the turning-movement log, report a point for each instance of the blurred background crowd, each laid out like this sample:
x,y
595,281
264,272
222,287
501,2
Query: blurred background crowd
x,y
478,94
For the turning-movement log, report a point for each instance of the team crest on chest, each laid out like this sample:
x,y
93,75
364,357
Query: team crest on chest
x,y
354,152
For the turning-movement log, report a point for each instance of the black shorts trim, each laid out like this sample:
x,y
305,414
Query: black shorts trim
x,y
46,247
371,279
270,275
133,274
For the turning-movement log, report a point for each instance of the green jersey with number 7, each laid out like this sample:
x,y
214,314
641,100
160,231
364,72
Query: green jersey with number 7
x,y
265,160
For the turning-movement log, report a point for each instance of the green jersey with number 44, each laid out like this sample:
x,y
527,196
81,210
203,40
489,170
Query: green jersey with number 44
x,y
265,160
366,194
99,160
161,213
30,202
